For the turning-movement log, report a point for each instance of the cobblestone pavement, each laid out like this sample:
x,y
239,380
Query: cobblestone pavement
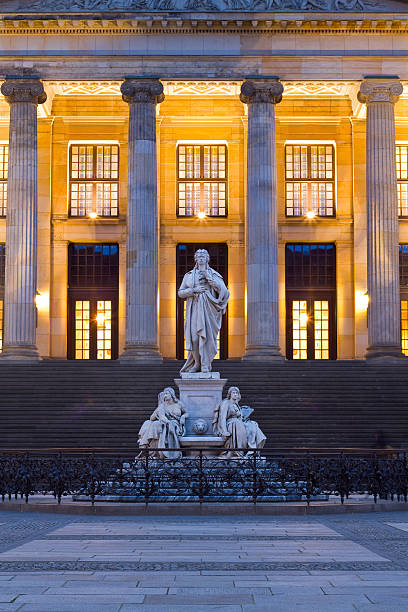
x,y
355,562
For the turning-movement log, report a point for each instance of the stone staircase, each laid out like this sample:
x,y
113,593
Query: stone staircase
x,y
87,404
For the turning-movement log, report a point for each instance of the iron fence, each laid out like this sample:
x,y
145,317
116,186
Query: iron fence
x,y
141,476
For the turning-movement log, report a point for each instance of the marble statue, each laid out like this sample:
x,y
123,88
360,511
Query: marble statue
x,y
232,423
207,299
165,426
255,436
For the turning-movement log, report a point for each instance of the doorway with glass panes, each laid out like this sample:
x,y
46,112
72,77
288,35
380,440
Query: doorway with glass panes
x,y
311,330
93,283
184,263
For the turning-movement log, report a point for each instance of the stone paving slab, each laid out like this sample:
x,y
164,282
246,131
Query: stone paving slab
x,y
342,564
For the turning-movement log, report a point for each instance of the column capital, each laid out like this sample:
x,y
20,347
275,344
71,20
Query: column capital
x,y
380,89
254,91
147,90
23,89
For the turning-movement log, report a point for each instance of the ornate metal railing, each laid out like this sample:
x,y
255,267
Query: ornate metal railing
x,y
140,476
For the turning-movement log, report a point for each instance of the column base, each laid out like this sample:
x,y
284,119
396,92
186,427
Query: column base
x,y
384,353
20,353
262,353
139,353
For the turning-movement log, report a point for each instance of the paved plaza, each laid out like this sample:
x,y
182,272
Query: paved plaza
x,y
356,563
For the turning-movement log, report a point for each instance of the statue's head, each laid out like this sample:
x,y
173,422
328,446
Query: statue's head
x,y
234,394
201,257
168,394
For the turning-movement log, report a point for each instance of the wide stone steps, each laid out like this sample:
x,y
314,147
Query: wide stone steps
x,y
86,404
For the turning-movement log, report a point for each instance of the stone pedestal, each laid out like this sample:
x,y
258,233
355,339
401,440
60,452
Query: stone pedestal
x,y
20,321
384,327
262,341
142,95
200,393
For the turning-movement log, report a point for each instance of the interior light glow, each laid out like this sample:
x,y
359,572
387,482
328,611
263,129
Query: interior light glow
x,y
362,300
100,319
310,214
303,318
201,215
92,215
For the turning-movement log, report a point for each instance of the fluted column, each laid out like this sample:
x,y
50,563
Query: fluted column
x,y
262,341
384,332
142,95
23,95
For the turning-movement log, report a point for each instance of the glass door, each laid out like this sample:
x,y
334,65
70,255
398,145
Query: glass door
x,y
93,321
310,327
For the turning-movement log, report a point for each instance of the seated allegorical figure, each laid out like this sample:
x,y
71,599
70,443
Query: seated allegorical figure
x,y
229,422
255,436
165,426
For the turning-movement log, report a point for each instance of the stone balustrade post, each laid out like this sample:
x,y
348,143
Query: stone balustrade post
x,y
262,341
19,339
384,318
142,95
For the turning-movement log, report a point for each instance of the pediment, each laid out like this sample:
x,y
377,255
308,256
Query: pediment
x,y
201,6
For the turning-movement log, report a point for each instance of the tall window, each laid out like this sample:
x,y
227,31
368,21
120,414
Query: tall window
x,y
403,272
93,275
3,178
310,180
202,180
310,271
402,179
94,180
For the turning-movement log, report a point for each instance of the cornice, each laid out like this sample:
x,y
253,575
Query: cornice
x,y
187,23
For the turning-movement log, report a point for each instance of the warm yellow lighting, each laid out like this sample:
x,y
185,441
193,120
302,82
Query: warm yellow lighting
x,y
310,214
362,300
92,215
100,319
303,318
201,215
41,300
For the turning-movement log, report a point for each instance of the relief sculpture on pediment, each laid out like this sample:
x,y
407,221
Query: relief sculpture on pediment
x,y
72,6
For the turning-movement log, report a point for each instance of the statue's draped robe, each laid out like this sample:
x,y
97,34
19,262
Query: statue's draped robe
x,y
155,433
229,424
203,317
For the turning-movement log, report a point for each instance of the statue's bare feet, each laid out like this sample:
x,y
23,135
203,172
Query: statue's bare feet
x,y
205,369
194,370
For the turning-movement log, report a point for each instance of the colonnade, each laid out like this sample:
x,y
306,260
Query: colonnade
x,y
143,94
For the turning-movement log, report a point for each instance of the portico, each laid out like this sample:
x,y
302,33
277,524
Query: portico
x,y
187,157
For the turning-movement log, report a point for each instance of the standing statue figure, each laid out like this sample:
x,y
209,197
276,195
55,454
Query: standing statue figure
x,y
207,299
165,426
238,432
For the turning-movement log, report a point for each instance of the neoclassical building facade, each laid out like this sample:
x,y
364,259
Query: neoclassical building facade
x,y
274,134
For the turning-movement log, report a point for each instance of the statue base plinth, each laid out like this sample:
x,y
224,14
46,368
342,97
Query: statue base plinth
x,y
201,393
192,444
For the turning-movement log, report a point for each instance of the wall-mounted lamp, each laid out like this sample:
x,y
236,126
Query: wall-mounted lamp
x,y
310,214
92,215
41,300
201,215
